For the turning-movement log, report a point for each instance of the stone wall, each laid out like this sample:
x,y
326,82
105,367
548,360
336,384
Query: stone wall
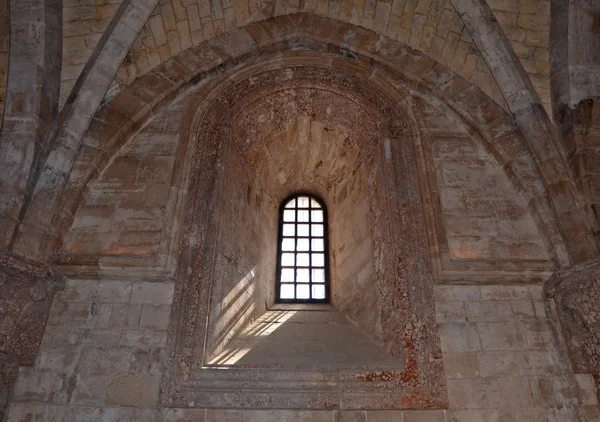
x,y
505,357
433,27
103,346
84,22
102,356
4,36
26,293
526,24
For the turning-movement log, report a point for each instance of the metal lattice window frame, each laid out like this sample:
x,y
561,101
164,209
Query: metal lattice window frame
x,y
299,236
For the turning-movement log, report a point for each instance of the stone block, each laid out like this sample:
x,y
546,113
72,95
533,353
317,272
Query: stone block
x,y
147,361
524,309
492,364
79,290
587,389
125,315
475,415
505,292
88,389
184,415
104,361
152,293
350,416
232,415
110,291
461,365
425,416
143,338
450,311
37,385
155,317
133,391
459,337
70,313
384,416
501,336
20,412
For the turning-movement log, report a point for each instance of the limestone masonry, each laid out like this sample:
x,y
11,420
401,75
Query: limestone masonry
x,y
146,147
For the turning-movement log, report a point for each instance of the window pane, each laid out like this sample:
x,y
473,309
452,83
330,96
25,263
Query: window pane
x,y
287,291
288,244
302,291
318,245
318,291
291,204
303,215
303,244
302,275
317,216
317,229
318,276
303,229
289,215
318,260
303,202
287,274
287,259
314,204
302,260
288,230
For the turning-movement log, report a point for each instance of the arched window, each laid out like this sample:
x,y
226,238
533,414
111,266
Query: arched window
x,y
302,255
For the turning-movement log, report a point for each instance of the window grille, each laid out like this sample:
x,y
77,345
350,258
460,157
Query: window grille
x,y
302,255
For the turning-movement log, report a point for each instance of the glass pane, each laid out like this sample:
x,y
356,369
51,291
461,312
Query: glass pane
x,y
318,245
318,276
302,291
302,244
317,229
289,215
287,274
314,204
288,230
303,229
317,216
287,244
303,202
302,260
318,292
286,291
291,204
287,259
302,275
318,260
302,215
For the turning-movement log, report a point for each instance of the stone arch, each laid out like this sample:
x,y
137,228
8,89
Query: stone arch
x,y
220,129
399,64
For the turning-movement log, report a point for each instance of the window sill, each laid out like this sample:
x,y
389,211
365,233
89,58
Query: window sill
x,y
323,307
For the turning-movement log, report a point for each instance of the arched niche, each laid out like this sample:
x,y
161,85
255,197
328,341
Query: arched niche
x,y
297,123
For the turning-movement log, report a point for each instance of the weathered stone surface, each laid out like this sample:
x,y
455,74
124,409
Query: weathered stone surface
x,y
26,293
576,292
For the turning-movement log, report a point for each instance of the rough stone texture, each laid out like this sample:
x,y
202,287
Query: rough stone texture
x,y
84,22
92,231
198,278
575,94
576,292
99,350
539,133
4,37
31,105
505,358
26,293
526,24
432,27
31,238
